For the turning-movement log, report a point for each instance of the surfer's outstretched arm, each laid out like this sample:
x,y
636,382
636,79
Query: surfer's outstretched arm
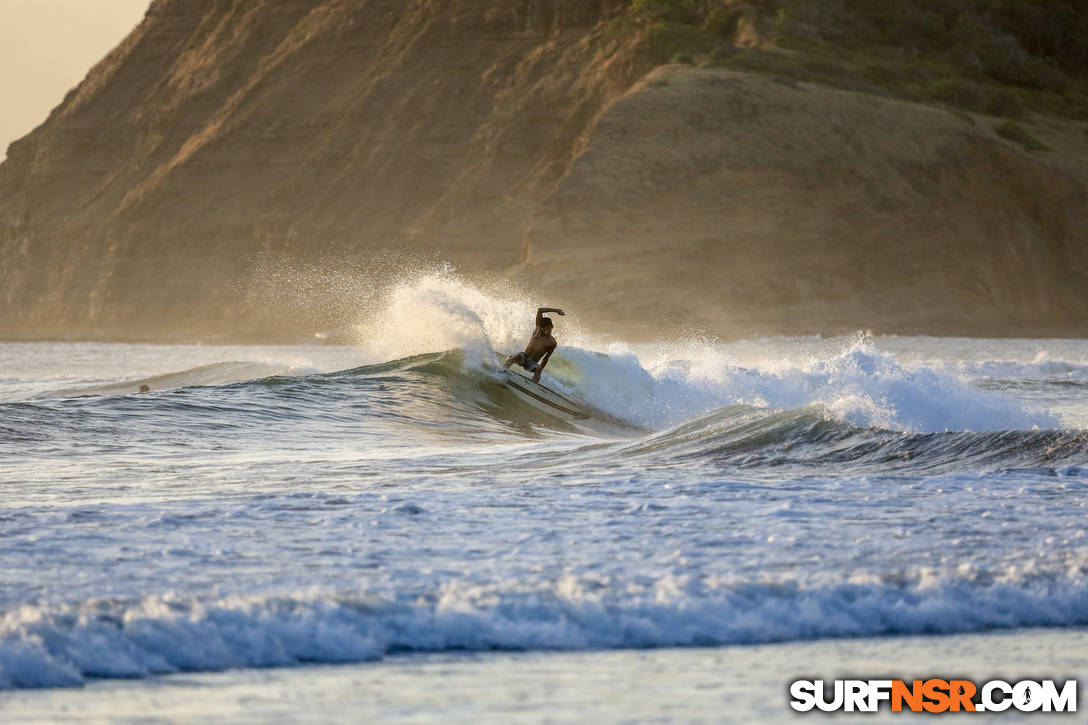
x,y
541,311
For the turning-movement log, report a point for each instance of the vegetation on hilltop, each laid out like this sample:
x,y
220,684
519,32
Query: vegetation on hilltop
x,y
1000,57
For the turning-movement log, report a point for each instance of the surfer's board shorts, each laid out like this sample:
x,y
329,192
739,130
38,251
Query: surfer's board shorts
x,y
527,362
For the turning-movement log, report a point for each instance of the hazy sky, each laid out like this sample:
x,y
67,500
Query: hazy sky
x,y
47,47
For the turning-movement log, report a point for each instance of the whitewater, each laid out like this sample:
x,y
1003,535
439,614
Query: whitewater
x,y
284,506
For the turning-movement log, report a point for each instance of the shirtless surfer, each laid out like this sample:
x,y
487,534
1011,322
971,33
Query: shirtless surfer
x,y
541,345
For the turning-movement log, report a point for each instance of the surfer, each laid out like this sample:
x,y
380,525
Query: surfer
x,y
541,345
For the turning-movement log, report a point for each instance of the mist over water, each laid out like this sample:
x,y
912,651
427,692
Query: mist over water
x,y
282,505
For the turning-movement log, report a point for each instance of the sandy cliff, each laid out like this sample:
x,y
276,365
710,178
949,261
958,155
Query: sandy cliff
x,y
737,204
227,142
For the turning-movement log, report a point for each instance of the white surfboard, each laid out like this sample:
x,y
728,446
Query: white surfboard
x,y
543,398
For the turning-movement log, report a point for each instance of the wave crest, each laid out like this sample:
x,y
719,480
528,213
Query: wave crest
x,y
49,647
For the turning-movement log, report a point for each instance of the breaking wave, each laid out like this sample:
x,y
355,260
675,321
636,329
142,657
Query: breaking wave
x,y
49,647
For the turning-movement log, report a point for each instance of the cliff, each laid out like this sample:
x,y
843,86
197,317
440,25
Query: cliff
x,y
790,208
227,144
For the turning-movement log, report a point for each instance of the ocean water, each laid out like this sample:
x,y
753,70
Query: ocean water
x,y
318,504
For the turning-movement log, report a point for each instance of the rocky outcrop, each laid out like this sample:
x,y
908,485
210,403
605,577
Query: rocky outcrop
x,y
225,141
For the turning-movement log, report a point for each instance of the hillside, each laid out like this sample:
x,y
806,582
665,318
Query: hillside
x,y
260,170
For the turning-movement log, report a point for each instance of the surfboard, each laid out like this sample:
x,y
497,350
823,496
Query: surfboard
x,y
542,397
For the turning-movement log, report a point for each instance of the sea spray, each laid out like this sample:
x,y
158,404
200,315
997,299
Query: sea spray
x,y
857,383
440,311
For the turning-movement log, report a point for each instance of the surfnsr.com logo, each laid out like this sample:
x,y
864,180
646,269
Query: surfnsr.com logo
x,y
933,695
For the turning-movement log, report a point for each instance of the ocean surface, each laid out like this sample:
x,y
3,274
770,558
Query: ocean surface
x,y
318,504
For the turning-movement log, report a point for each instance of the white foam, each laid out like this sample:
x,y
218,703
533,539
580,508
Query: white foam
x,y
439,311
859,385
63,646
855,381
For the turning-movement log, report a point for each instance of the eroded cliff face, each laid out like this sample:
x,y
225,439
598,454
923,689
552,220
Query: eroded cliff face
x,y
225,140
224,132
787,208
